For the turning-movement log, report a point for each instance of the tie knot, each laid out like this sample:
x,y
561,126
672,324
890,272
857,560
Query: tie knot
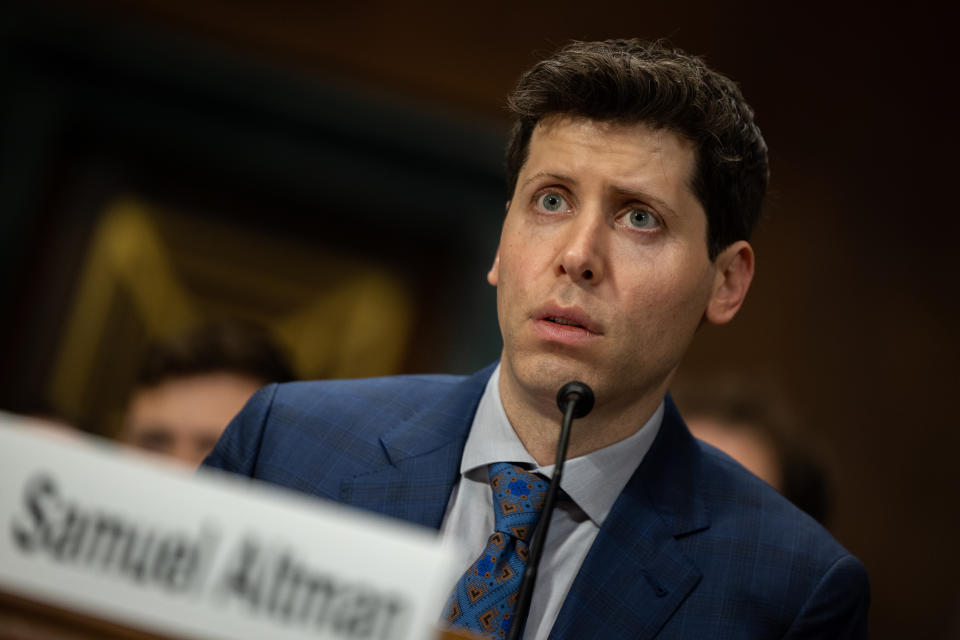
x,y
517,499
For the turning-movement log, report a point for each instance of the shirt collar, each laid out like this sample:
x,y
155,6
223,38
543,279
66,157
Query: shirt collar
x,y
593,481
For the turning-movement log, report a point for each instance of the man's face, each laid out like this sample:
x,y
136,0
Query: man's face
x,y
182,418
602,272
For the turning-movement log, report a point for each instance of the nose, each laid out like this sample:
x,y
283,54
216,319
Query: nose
x,y
581,255
186,453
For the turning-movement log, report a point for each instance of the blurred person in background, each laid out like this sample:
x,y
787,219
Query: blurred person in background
x,y
192,384
752,423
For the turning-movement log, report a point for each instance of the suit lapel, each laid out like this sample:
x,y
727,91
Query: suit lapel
x,y
635,575
422,458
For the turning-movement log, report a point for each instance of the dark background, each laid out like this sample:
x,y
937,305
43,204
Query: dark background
x,y
854,308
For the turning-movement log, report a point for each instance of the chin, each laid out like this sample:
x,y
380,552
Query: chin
x,y
547,373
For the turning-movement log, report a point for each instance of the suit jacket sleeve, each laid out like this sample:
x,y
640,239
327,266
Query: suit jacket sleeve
x,y
837,608
239,446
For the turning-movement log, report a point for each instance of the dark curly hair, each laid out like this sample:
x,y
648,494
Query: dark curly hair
x,y
632,81
226,346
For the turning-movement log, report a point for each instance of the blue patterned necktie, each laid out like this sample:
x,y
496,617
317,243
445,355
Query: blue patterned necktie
x,y
485,595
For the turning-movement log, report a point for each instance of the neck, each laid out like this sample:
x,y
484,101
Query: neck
x,y
535,418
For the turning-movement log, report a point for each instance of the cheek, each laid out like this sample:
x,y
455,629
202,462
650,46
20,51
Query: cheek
x,y
521,260
528,240
511,286
671,297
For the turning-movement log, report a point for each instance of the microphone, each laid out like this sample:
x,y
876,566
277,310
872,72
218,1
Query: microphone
x,y
579,394
575,400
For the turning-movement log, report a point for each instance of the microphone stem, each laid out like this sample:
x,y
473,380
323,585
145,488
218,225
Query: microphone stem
x,y
540,533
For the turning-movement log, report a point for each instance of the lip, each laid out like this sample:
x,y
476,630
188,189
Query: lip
x,y
569,333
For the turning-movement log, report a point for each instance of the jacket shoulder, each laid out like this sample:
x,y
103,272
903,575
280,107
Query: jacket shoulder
x,y
765,557
310,435
361,401
734,495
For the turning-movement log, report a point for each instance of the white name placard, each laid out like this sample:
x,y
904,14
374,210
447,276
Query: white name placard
x,y
88,526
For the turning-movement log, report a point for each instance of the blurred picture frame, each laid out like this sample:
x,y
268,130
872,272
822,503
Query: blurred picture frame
x,y
149,183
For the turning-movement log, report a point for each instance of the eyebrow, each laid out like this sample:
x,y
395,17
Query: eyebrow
x,y
545,174
154,434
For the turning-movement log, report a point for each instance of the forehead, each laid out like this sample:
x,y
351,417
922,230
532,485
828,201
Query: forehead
x,y
631,146
197,399
630,158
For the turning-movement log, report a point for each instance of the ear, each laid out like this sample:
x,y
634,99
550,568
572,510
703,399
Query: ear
x,y
734,273
493,276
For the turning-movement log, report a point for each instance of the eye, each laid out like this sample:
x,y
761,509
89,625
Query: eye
x,y
553,202
154,439
642,219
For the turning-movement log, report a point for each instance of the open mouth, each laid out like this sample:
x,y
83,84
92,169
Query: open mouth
x,y
564,321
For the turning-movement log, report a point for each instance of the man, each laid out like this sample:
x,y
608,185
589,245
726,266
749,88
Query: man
x,y
636,175
191,384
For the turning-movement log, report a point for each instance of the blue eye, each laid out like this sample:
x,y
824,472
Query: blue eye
x,y
642,219
552,202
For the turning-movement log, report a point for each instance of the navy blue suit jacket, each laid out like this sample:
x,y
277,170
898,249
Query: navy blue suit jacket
x,y
695,546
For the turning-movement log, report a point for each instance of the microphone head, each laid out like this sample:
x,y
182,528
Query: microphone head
x,y
579,393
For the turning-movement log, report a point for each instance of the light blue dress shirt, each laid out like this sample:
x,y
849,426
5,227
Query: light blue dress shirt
x,y
590,485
